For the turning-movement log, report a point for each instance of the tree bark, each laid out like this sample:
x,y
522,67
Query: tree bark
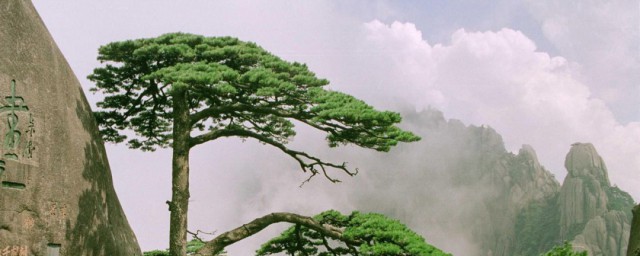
x,y
225,239
634,236
180,174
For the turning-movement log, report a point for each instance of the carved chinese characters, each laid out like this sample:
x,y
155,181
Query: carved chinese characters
x,y
17,131
56,191
18,127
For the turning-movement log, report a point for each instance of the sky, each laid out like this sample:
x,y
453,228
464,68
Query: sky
x,y
544,73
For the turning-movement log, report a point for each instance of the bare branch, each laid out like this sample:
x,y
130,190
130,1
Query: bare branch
x,y
326,245
197,233
225,239
307,162
214,111
137,103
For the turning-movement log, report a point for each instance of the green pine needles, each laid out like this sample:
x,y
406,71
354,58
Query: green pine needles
x,y
235,88
564,250
362,234
181,90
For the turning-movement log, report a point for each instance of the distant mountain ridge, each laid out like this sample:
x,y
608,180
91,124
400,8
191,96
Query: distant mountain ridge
x,y
526,211
531,212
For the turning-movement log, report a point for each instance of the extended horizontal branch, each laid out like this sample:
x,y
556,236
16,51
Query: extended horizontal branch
x,y
336,126
306,161
225,239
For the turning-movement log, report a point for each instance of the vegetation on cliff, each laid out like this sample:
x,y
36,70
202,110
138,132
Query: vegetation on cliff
x,y
537,228
619,200
564,250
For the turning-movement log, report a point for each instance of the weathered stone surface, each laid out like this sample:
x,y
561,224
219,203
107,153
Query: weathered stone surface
x,y
583,161
634,236
604,235
525,182
582,196
57,192
592,212
536,183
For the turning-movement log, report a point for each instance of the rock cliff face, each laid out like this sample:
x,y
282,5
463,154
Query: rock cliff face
x,y
520,181
56,196
583,196
605,234
471,192
589,213
505,204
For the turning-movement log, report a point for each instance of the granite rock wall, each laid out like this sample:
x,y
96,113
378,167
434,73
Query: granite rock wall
x,y
57,196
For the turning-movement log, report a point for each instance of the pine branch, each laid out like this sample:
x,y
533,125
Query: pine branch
x,y
225,239
307,162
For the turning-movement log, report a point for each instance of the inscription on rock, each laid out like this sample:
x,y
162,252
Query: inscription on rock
x,y
57,212
17,127
15,250
56,191
17,134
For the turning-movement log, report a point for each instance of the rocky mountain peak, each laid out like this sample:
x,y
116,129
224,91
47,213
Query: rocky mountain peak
x,y
583,161
592,212
582,196
529,154
527,150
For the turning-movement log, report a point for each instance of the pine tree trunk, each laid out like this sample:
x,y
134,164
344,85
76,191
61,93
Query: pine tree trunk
x,y
180,185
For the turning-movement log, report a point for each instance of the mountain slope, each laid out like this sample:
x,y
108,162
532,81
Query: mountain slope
x,y
519,208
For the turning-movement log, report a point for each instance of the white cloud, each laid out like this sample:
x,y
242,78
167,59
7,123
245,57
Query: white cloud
x,y
604,37
499,79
